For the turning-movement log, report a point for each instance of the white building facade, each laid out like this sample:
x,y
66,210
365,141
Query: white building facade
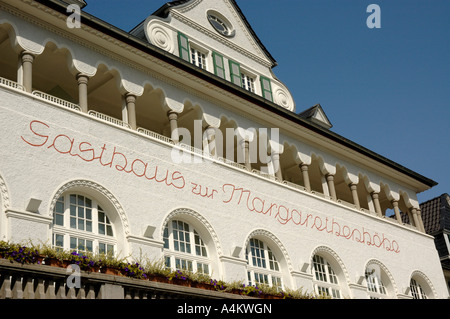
x,y
177,142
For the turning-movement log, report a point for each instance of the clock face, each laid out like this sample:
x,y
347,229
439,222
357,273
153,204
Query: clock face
x,y
220,26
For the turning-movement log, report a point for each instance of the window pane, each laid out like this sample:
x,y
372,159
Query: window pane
x,y
81,212
104,225
73,223
101,229
109,230
59,220
89,246
60,206
73,210
73,243
58,240
88,213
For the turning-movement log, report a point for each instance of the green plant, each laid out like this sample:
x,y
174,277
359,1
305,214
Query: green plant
x,y
86,261
18,253
177,274
133,270
141,269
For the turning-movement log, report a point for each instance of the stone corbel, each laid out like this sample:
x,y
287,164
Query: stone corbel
x,y
173,105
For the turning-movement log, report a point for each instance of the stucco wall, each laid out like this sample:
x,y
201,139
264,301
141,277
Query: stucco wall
x,y
41,153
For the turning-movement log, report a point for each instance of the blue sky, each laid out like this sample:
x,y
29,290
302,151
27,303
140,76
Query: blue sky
x,y
387,89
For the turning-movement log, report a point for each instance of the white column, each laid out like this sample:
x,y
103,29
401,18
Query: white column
x,y
331,187
354,190
131,110
376,202
173,120
27,59
397,211
209,144
304,168
245,145
276,164
83,92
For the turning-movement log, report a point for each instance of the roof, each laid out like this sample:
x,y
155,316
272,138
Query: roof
x,y
139,44
436,214
163,12
317,115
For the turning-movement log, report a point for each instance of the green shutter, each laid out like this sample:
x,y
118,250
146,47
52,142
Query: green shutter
x,y
183,45
219,68
235,72
266,88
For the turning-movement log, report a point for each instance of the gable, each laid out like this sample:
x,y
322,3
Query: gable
x,y
215,36
195,13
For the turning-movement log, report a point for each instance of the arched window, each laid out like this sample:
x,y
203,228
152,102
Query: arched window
x,y
184,249
325,279
81,224
263,267
416,290
375,285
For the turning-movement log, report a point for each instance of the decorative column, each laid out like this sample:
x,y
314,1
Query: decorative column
x,y
209,144
131,110
397,211
83,92
304,168
353,189
417,222
173,120
276,164
376,201
27,67
419,217
245,145
331,188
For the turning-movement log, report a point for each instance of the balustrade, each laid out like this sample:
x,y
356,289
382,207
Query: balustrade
x,y
19,281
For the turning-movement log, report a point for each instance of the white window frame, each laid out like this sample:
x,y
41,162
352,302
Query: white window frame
x,y
91,238
178,258
376,289
325,278
248,81
417,292
262,264
199,56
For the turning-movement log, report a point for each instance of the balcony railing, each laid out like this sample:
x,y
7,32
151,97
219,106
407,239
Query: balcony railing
x,y
19,281
11,84
56,100
109,119
155,135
